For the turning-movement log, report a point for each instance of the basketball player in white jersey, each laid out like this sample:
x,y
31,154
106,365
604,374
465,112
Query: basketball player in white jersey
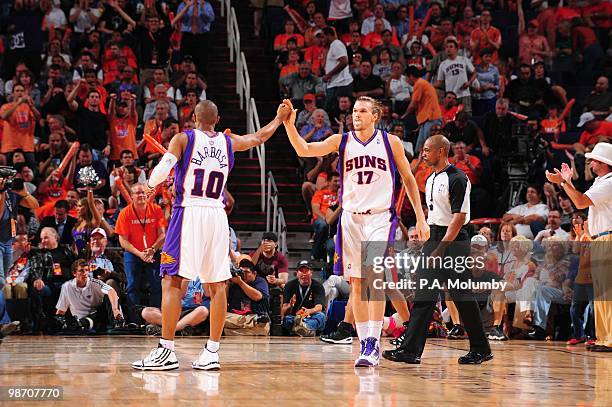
x,y
197,242
368,162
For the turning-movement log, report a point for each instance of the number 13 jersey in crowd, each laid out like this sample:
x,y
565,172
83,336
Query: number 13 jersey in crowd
x,y
367,173
201,173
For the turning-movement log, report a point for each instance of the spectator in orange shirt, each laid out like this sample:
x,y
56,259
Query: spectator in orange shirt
x,y
293,63
553,124
20,117
153,127
449,107
533,47
322,200
485,36
595,131
374,38
421,172
315,54
472,167
424,103
598,14
590,52
280,42
319,24
123,120
141,227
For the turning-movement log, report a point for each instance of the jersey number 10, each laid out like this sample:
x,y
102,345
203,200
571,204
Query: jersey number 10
x,y
214,187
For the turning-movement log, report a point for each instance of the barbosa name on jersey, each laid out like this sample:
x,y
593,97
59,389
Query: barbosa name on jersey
x,y
199,156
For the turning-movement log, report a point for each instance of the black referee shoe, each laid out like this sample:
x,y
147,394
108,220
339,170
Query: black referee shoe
x,y
475,358
402,355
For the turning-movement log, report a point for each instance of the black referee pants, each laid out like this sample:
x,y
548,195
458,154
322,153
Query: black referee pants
x,y
426,298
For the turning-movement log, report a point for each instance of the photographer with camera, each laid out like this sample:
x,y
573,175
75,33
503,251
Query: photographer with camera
x,y
20,117
247,301
271,264
13,195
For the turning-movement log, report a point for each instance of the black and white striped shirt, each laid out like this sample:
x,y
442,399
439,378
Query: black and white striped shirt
x,y
447,193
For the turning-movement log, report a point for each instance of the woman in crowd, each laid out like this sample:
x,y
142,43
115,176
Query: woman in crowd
x,y
488,85
397,88
88,219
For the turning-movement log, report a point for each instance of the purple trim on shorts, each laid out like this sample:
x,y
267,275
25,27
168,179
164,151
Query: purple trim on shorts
x,y
393,168
172,245
338,265
230,152
182,167
341,151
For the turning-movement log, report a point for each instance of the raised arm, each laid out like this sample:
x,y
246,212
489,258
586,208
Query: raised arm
x,y
242,143
303,148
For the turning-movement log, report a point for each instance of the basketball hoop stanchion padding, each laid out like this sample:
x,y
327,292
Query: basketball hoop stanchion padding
x,y
71,152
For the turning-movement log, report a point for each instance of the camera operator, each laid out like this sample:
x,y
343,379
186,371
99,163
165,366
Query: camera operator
x,y
247,301
271,264
10,200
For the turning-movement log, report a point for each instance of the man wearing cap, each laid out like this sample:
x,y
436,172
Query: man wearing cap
x,y
248,303
598,199
105,265
303,301
271,264
300,84
595,131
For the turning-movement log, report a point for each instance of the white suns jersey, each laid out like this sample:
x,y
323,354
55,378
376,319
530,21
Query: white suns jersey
x,y
367,173
201,173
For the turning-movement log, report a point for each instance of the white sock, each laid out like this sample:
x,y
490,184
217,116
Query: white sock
x,y
362,329
166,344
374,329
212,346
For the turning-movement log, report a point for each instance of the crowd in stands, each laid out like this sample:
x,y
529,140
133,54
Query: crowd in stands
x,y
516,87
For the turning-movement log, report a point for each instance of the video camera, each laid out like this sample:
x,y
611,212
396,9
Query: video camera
x,y
8,174
236,271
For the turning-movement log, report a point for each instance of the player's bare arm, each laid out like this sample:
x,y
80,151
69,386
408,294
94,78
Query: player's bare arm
x,y
242,143
412,190
301,146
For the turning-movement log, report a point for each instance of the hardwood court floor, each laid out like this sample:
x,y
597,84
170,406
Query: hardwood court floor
x,y
304,372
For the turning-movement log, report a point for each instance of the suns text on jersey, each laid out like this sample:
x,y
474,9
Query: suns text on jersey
x,y
198,156
365,161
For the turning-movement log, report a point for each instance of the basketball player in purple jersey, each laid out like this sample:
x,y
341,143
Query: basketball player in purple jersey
x,y
197,239
368,162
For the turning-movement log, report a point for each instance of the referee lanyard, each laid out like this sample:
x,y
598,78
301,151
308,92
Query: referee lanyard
x,y
433,182
143,223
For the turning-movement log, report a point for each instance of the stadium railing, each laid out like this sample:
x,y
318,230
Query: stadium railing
x,y
275,218
243,89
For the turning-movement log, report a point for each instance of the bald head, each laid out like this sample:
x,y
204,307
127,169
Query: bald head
x,y
206,113
439,141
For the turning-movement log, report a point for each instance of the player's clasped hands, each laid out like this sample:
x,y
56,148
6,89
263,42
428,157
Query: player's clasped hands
x,y
284,111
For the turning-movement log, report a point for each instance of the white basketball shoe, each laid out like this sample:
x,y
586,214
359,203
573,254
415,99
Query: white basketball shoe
x,y
160,358
207,360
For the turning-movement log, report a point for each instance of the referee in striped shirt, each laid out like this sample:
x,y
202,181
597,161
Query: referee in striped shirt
x,y
447,194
